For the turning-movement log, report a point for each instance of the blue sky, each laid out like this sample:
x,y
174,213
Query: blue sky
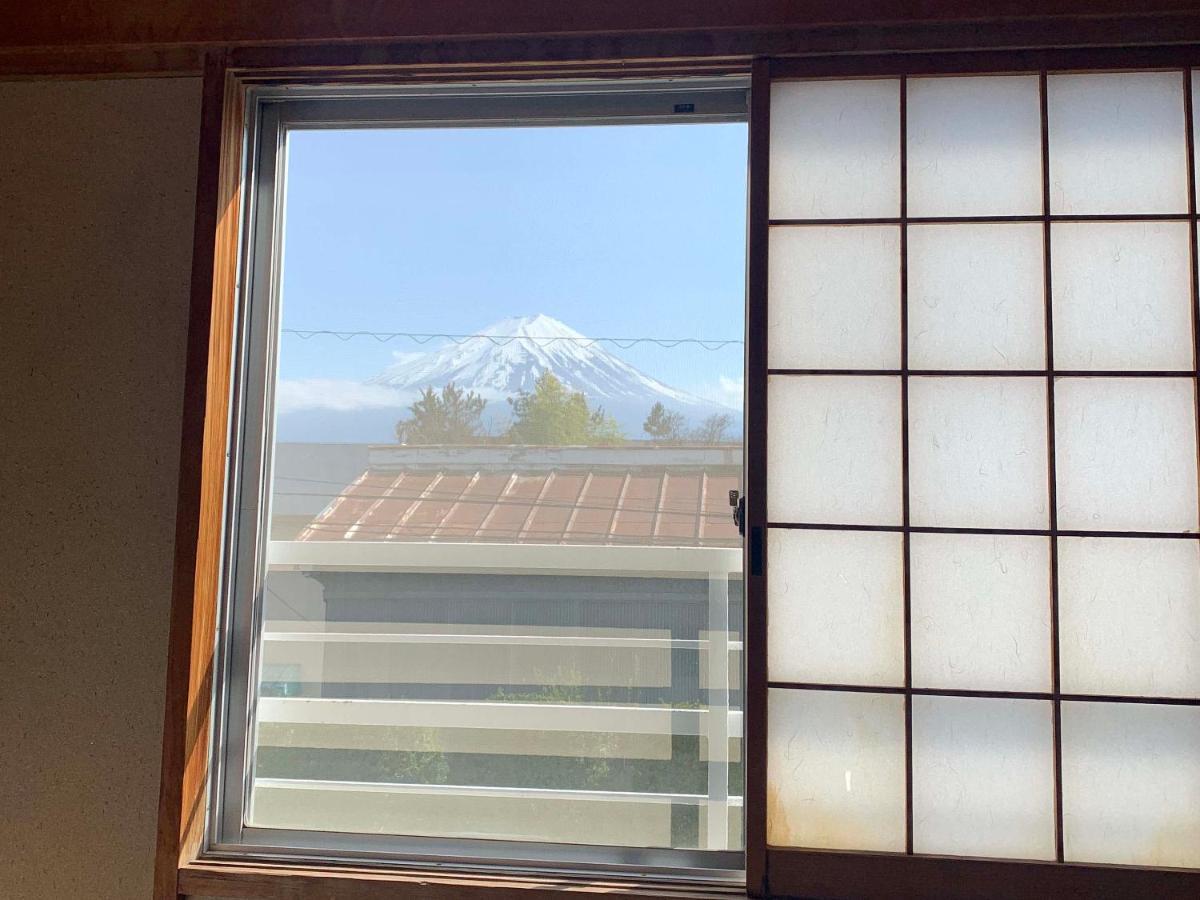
x,y
625,230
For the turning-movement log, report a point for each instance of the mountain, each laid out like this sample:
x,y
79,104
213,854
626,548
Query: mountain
x,y
499,362
509,357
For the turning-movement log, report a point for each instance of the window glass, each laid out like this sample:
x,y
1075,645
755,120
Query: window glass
x,y
499,593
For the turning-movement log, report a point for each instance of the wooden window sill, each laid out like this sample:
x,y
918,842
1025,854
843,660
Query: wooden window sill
x,y
266,881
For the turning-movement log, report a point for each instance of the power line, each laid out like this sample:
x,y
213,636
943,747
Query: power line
x,y
501,340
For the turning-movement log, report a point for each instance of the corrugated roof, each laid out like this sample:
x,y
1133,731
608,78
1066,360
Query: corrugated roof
x,y
530,502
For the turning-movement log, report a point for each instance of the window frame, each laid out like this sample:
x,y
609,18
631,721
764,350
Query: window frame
x,y
790,871
273,111
229,73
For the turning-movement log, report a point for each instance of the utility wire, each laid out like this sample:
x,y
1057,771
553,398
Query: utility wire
x,y
501,340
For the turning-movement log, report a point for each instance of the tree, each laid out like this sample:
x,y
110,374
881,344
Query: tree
x,y
550,414
712,429
452,417
662,425
604,429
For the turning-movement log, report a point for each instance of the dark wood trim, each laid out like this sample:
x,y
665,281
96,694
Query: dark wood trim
x,y
192,630
838,875
136,62
839,47
755,405
836,44
1172,55
281,882
196,21
150,22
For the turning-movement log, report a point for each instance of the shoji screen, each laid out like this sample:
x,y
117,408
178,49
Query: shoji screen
x,y
982,546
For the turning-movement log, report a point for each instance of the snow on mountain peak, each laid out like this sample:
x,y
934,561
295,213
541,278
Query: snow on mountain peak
x,y
507,358
538,325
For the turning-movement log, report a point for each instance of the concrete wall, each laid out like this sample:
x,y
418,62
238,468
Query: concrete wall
x,y
96,207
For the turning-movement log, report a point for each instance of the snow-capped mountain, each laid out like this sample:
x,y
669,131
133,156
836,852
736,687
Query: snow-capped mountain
x,y
511,355
497,363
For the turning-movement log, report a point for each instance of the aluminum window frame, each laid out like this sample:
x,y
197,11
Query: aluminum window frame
x,y
271,112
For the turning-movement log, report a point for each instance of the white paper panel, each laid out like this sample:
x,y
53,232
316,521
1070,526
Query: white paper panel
x,y
1117,143
834,298
977,452
1129,616
1126,454
1131,784
1122,295
836,605
980,611
833,449
835,149
983,777
976,297
974,146
835,770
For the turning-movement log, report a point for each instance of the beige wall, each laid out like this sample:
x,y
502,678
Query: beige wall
x,y
96,203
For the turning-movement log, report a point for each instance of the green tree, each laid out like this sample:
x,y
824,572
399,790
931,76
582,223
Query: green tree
x,y
712,429
662,425
604,429
551,414
451,417
421,762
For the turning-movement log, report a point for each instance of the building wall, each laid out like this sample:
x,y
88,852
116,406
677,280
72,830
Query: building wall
x,y
96,206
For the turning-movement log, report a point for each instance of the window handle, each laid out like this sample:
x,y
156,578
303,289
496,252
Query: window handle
x,y
739,511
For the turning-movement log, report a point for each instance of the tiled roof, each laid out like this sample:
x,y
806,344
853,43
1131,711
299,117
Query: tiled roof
x,y
678,499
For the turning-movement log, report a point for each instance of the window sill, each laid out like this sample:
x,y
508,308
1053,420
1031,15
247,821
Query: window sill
x,y
265,881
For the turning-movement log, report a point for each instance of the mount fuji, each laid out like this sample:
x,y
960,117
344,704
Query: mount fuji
x,y
498,362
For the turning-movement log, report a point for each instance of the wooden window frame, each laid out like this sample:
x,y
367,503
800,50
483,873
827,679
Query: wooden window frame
x,y
219,262
180,868
831,874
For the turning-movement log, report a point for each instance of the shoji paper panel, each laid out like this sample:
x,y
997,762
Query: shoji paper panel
x,y
974,146
835,149
980,459
983,777
1131,783
835,770
833,450
1122,295
835,297
836,607
978,452
976,297
980,612
1129,616
1126,454
1117,143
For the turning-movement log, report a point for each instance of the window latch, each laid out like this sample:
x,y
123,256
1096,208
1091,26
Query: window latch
x,y
739,511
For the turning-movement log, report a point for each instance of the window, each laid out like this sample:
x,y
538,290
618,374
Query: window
x,y
983,548
484,601
484,591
